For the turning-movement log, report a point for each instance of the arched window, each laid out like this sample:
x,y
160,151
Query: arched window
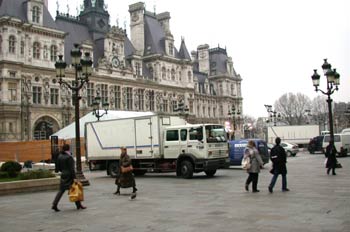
x,y
36,50
0,44
35,14
163,73
12,44
45,52
151,75
53,53
22,47
189,75
173,75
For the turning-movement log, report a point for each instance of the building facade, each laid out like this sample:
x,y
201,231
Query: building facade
x,y
143,72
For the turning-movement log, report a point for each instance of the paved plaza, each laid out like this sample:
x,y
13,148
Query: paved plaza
x,y
316,202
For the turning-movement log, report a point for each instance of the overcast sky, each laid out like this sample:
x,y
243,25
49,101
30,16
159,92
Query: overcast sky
x,y
274,44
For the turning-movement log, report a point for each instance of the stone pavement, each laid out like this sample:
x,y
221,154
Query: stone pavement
x,y
316,202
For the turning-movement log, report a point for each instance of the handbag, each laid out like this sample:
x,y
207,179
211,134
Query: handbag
x,y
246,162
75,192
127,169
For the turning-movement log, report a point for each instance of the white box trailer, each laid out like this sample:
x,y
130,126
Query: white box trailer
x,y
298,134
157,143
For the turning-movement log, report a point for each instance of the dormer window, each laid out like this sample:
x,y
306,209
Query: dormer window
x,y
172,74
171,49
53,53
12,44
36,50
22,47
138,69
189,75
0,44
35,14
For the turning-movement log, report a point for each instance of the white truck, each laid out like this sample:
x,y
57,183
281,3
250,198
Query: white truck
x,y
157,143
298,134
341,143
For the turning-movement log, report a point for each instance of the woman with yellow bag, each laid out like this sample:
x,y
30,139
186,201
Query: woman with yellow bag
x,y
125,179
65,165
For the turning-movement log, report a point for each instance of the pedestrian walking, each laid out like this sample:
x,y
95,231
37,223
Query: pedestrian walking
x,y
278,157
65,165
330,154
125,179
254,169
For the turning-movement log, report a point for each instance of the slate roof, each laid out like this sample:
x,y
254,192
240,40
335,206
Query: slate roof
x,y
183,53
201,77
17,9
154,36
219,56
76,33
128,47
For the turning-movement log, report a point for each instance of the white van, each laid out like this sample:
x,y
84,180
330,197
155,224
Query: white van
x,y
345,131
341,143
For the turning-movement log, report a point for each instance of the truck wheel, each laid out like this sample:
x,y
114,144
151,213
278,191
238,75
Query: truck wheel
x,y
186,169
113,168
210,173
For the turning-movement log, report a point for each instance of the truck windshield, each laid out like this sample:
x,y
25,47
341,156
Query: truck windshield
x,y
327,138
215,133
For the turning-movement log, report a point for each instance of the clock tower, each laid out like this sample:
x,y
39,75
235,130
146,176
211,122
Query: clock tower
x,y
95,16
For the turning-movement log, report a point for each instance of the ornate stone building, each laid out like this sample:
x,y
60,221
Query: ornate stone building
x,y
145,72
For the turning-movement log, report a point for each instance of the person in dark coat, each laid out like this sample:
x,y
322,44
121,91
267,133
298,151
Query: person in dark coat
x,y
65,165
330,154
256,163
125,180
278,157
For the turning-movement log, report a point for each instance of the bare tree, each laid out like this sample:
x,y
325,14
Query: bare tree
x,y
249,126
292,107
319,105
319,111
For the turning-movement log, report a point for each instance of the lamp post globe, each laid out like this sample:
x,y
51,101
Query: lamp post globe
x,y
332,77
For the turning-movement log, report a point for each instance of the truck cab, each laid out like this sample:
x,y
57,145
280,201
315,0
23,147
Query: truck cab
x,y
196,148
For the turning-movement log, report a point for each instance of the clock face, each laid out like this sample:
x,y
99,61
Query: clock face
x,y
115,61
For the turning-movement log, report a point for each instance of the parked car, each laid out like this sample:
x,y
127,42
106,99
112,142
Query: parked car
x,y
315,144
290,148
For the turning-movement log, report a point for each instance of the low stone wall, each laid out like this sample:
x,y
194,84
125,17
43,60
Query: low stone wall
x,y
23,186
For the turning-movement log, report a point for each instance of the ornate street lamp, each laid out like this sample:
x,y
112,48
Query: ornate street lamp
x,y
274,116
182,109
96,106
332,85
235,117
83,69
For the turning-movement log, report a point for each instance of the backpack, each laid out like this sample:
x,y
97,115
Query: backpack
x,y
246,163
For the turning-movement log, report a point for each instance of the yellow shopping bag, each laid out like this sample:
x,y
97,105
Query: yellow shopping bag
x,y
75,192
